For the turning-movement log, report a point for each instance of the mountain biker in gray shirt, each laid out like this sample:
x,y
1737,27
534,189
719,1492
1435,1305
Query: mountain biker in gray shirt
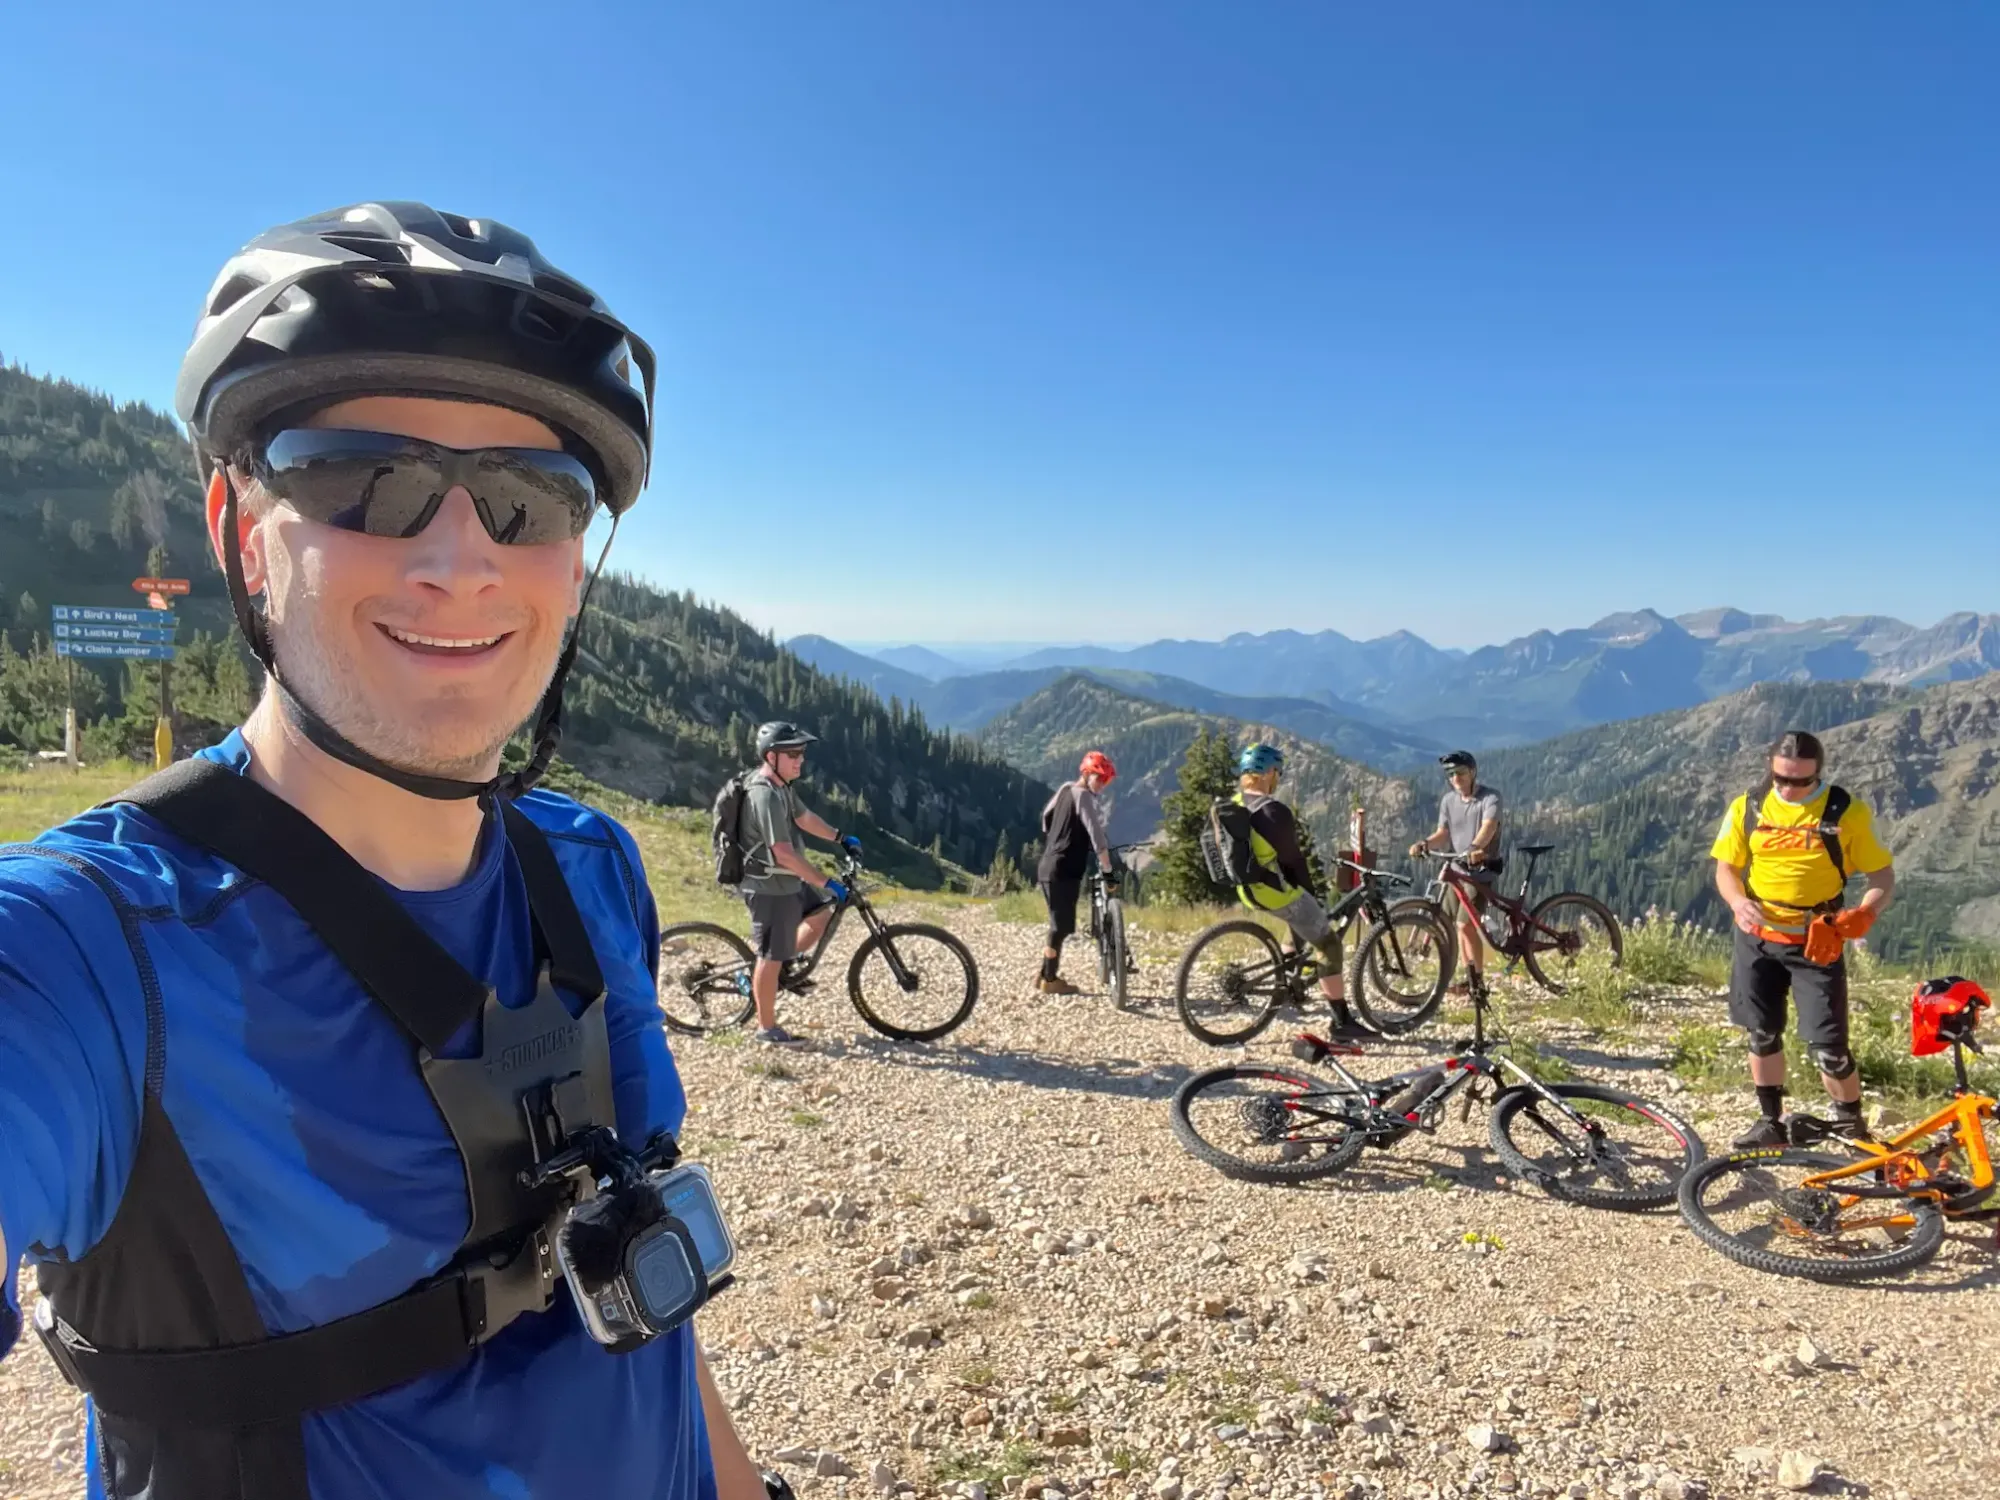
x,y
1469,826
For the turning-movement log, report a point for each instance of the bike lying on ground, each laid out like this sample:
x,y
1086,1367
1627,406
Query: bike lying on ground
x,y
1600,1147
909,980
1549,938
1107,929
1834,1208
1234,975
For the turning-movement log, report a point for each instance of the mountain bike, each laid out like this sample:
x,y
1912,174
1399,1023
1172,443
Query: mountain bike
x,y
1850,1209
1234,975
1549,939
1600,1147
909,980
1107,929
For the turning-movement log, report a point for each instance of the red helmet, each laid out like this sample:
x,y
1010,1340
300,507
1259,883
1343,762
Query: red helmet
x,y
1097,763
1943,1011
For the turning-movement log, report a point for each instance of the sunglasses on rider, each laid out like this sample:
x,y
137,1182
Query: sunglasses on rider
x,y
379,484
1795,781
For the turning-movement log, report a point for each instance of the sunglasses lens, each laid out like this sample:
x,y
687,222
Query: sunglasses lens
x,y
377,484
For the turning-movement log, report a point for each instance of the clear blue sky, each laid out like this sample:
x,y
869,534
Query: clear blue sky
x,y
1468,318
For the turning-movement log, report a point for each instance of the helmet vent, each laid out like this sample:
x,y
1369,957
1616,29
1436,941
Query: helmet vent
x,y
372,246
561,286
464,228
231,292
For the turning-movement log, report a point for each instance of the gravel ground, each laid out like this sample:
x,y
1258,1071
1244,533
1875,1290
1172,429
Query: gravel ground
x,y
986,1263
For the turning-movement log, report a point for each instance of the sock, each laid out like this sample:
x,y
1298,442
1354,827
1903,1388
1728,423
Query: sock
x,y
1847,1109
1049,966
1771,1100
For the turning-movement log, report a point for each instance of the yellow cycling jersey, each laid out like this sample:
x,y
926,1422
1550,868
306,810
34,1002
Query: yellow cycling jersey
x,y
1790,871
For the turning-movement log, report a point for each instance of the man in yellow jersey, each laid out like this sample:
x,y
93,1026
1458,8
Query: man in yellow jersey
x,y
1782,859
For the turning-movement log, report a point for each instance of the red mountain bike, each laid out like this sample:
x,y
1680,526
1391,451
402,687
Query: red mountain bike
x,y
1550,938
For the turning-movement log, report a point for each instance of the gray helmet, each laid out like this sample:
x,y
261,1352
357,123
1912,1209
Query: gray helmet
x,y
780,734
1456,758
400,299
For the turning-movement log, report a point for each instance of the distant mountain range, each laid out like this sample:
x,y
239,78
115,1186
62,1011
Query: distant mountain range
x,y
1543,684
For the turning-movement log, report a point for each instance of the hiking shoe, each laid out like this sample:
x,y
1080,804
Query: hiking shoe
x,y
777,1036
1764,1133
1057,986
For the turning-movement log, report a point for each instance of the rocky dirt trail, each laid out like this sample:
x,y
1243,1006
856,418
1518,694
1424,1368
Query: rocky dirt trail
x,y
985,1266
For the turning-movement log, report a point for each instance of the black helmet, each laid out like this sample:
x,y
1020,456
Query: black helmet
x,y
1457,758
781,734
400,299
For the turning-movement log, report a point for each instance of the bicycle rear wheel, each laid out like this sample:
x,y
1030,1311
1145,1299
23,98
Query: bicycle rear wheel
x,y
1623,1153
1584,928
1230,983
1400,969
703,979
1267,1124
1111,951
1753,1206
942,981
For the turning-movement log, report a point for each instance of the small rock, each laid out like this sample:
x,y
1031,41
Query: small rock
x,y
1166,1487
976,1490
969,1282
1088,1359
878,1152
1229,1432
823,1309
831,1465
1069,1437
813,1208
844,1208
1486,1438
1131,1365
1787,1364
888,1288
917,1336
792,1456
1578,1491
1214,1307
1674,1487
1315,1432
1811,1355
884,1265
1375,1423
1799,1471
1374,1345
976,1416
1379,1271
880,1474
1306,1268
1759,1459
1213,1255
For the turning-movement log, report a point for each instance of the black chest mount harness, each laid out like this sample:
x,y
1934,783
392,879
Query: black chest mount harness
x,y
156,1324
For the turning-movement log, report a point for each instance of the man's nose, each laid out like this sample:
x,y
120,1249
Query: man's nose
x,y
454,553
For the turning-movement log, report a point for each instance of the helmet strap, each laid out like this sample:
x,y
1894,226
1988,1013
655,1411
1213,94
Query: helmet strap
x,y
545,736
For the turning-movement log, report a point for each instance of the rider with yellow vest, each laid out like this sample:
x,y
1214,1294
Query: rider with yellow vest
x,y
1280,881
1782,859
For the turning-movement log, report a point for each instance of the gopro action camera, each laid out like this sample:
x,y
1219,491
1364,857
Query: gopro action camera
x,y
641,1258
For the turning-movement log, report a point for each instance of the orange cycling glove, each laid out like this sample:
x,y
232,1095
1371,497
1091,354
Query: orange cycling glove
x,y
1823,942
1854,922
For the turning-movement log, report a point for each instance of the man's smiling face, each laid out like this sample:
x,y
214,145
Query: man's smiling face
x,y
428,651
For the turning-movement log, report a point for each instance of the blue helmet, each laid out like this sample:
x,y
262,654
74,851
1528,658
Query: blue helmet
x,y
1258,758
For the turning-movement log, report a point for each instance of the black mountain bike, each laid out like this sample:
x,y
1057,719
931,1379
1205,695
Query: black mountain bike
x,y
1107,929
909,980
1234,975
1590,1145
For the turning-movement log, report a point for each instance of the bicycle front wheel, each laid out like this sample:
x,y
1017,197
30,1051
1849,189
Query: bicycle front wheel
x,y
913,982
1608,1149
703,979
1400,969
1755,1207
1112,952
1575,931
1268,1125
1230,983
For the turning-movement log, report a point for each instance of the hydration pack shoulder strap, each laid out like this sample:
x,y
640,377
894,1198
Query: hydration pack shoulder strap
x,y
1838,800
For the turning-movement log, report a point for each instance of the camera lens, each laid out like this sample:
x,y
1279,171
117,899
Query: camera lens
x,y
666,1285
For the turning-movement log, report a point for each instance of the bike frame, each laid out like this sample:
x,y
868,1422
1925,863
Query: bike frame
x,y
1297,965
1911,1173
850,876
1521,925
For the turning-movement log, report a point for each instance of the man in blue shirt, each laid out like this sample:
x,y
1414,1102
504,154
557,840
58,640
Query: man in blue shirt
x,y
212,1136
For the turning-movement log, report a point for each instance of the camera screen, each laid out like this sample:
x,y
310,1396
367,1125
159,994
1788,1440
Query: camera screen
x,y
689,1199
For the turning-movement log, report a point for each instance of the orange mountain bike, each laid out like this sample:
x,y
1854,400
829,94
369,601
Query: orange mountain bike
x,y
1831,1208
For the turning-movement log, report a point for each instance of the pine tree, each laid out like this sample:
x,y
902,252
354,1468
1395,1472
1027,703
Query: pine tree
x,y
1208,771
1310,850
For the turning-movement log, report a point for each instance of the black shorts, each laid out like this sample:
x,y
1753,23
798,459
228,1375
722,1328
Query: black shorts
x,y
1764,973
1060,896
774,919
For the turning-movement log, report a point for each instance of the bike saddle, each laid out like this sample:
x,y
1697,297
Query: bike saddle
x,y
1309,1048
1534,848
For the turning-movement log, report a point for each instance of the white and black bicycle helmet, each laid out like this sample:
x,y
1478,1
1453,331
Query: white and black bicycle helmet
x,y
402,299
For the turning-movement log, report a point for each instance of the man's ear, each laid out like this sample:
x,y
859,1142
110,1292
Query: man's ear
x,y
249,539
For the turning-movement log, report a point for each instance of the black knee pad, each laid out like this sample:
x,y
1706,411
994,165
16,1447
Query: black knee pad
x,y
1835,1062
1766,1043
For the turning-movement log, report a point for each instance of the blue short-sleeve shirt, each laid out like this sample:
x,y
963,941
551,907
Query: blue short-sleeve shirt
x,y
301,1108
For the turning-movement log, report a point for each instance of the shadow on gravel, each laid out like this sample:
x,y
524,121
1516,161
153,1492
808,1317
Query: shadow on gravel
x,y
1608,1062
1120,1077
1398,1172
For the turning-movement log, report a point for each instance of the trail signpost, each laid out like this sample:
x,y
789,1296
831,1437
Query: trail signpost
x,y
100,632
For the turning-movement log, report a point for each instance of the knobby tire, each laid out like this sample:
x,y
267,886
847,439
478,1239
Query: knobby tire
x,y
690,990
1698,1190
1582,905
959,985
1326,1155
1259,1004
1384,950
1678,1146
